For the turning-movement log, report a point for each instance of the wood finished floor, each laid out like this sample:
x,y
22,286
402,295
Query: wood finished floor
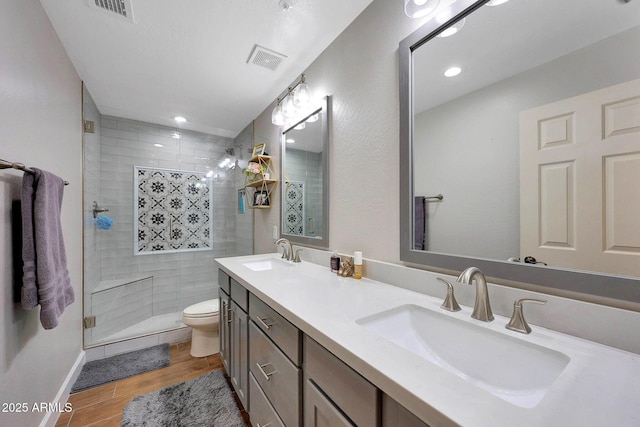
x,y
102,406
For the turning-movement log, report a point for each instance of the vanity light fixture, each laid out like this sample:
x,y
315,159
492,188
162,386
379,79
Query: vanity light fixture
x,y
179,119
496,2
452,71
420,8
297,100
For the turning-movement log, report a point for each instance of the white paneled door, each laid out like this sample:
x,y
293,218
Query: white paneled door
x,y
580,181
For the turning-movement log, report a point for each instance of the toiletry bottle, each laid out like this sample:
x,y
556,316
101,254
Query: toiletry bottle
x,y
357,265
335,262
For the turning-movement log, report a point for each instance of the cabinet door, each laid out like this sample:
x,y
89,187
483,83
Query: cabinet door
x,y
225,329
320,411
239,357
396,415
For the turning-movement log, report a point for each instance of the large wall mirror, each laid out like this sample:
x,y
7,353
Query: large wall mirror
x,y
534,145
305,178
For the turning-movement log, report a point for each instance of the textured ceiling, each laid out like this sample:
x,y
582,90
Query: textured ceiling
x,y
189,58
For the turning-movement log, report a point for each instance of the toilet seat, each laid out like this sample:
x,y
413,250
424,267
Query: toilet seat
x,y
202,309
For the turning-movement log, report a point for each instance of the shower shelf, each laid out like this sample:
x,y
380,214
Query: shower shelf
x,y
105,285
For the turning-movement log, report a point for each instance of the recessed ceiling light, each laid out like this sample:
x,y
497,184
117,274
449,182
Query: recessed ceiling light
x,y
179,119
452,29
452,71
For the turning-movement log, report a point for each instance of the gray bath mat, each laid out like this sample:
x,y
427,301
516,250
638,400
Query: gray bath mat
x,y
202,402
125,365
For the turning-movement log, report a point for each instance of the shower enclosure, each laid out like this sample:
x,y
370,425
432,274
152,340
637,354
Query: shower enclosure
x,y
158,209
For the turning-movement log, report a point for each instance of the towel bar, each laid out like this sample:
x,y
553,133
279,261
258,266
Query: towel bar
x,y
19,166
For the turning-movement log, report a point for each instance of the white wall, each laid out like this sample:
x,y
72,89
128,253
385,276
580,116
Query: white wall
x,y
360,70
40,118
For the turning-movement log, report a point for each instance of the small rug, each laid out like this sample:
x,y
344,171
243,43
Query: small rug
x,y
202,402
103,371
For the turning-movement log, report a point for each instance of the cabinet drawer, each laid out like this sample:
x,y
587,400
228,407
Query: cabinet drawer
x,y
280,330
223,280
277,376
240,295
319,411
354,395
262,413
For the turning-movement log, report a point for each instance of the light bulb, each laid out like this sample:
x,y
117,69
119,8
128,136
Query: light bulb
x,y
302,95
420,8
277,118
288,106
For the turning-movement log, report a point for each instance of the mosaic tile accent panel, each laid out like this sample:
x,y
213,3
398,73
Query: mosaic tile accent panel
x,y
173,210
294,209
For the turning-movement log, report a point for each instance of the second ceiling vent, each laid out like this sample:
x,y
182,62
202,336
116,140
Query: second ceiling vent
x,y
121,8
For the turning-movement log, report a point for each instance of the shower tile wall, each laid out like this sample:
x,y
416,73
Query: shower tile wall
x,y
306,166
179,279
244,221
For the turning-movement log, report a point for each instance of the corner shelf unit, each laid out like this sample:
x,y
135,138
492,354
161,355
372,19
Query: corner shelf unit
x,y
258,192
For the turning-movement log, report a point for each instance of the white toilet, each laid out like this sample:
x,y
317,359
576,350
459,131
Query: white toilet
x,y
203,320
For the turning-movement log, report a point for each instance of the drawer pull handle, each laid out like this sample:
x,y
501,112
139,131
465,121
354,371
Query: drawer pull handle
x,y
230,316
265,324
262,371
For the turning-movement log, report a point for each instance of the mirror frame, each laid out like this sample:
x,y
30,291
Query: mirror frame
x,y
579,284
323,241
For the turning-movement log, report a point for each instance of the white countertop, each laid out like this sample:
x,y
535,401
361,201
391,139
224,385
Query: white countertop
x,y
600,386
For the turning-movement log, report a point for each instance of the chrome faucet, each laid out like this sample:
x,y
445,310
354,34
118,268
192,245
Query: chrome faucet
x,y
287,252
482,307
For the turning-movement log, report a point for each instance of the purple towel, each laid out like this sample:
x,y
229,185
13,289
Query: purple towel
x,y
45,278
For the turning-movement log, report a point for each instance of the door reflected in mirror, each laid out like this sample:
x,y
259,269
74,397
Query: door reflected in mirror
x,y
534,143
305,179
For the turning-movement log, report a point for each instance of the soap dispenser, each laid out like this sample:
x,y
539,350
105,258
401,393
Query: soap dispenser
x,y
357,265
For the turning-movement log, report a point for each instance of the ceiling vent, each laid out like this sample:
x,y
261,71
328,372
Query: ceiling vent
x,y
121,8
265,58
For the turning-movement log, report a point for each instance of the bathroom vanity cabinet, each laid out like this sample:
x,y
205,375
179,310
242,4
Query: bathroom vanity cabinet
x,y
234,301
291,379
341,347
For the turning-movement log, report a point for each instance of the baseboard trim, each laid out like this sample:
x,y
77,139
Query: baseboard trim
x,y
62,396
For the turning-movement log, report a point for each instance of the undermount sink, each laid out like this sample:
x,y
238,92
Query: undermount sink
x,y
267,264
514,370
